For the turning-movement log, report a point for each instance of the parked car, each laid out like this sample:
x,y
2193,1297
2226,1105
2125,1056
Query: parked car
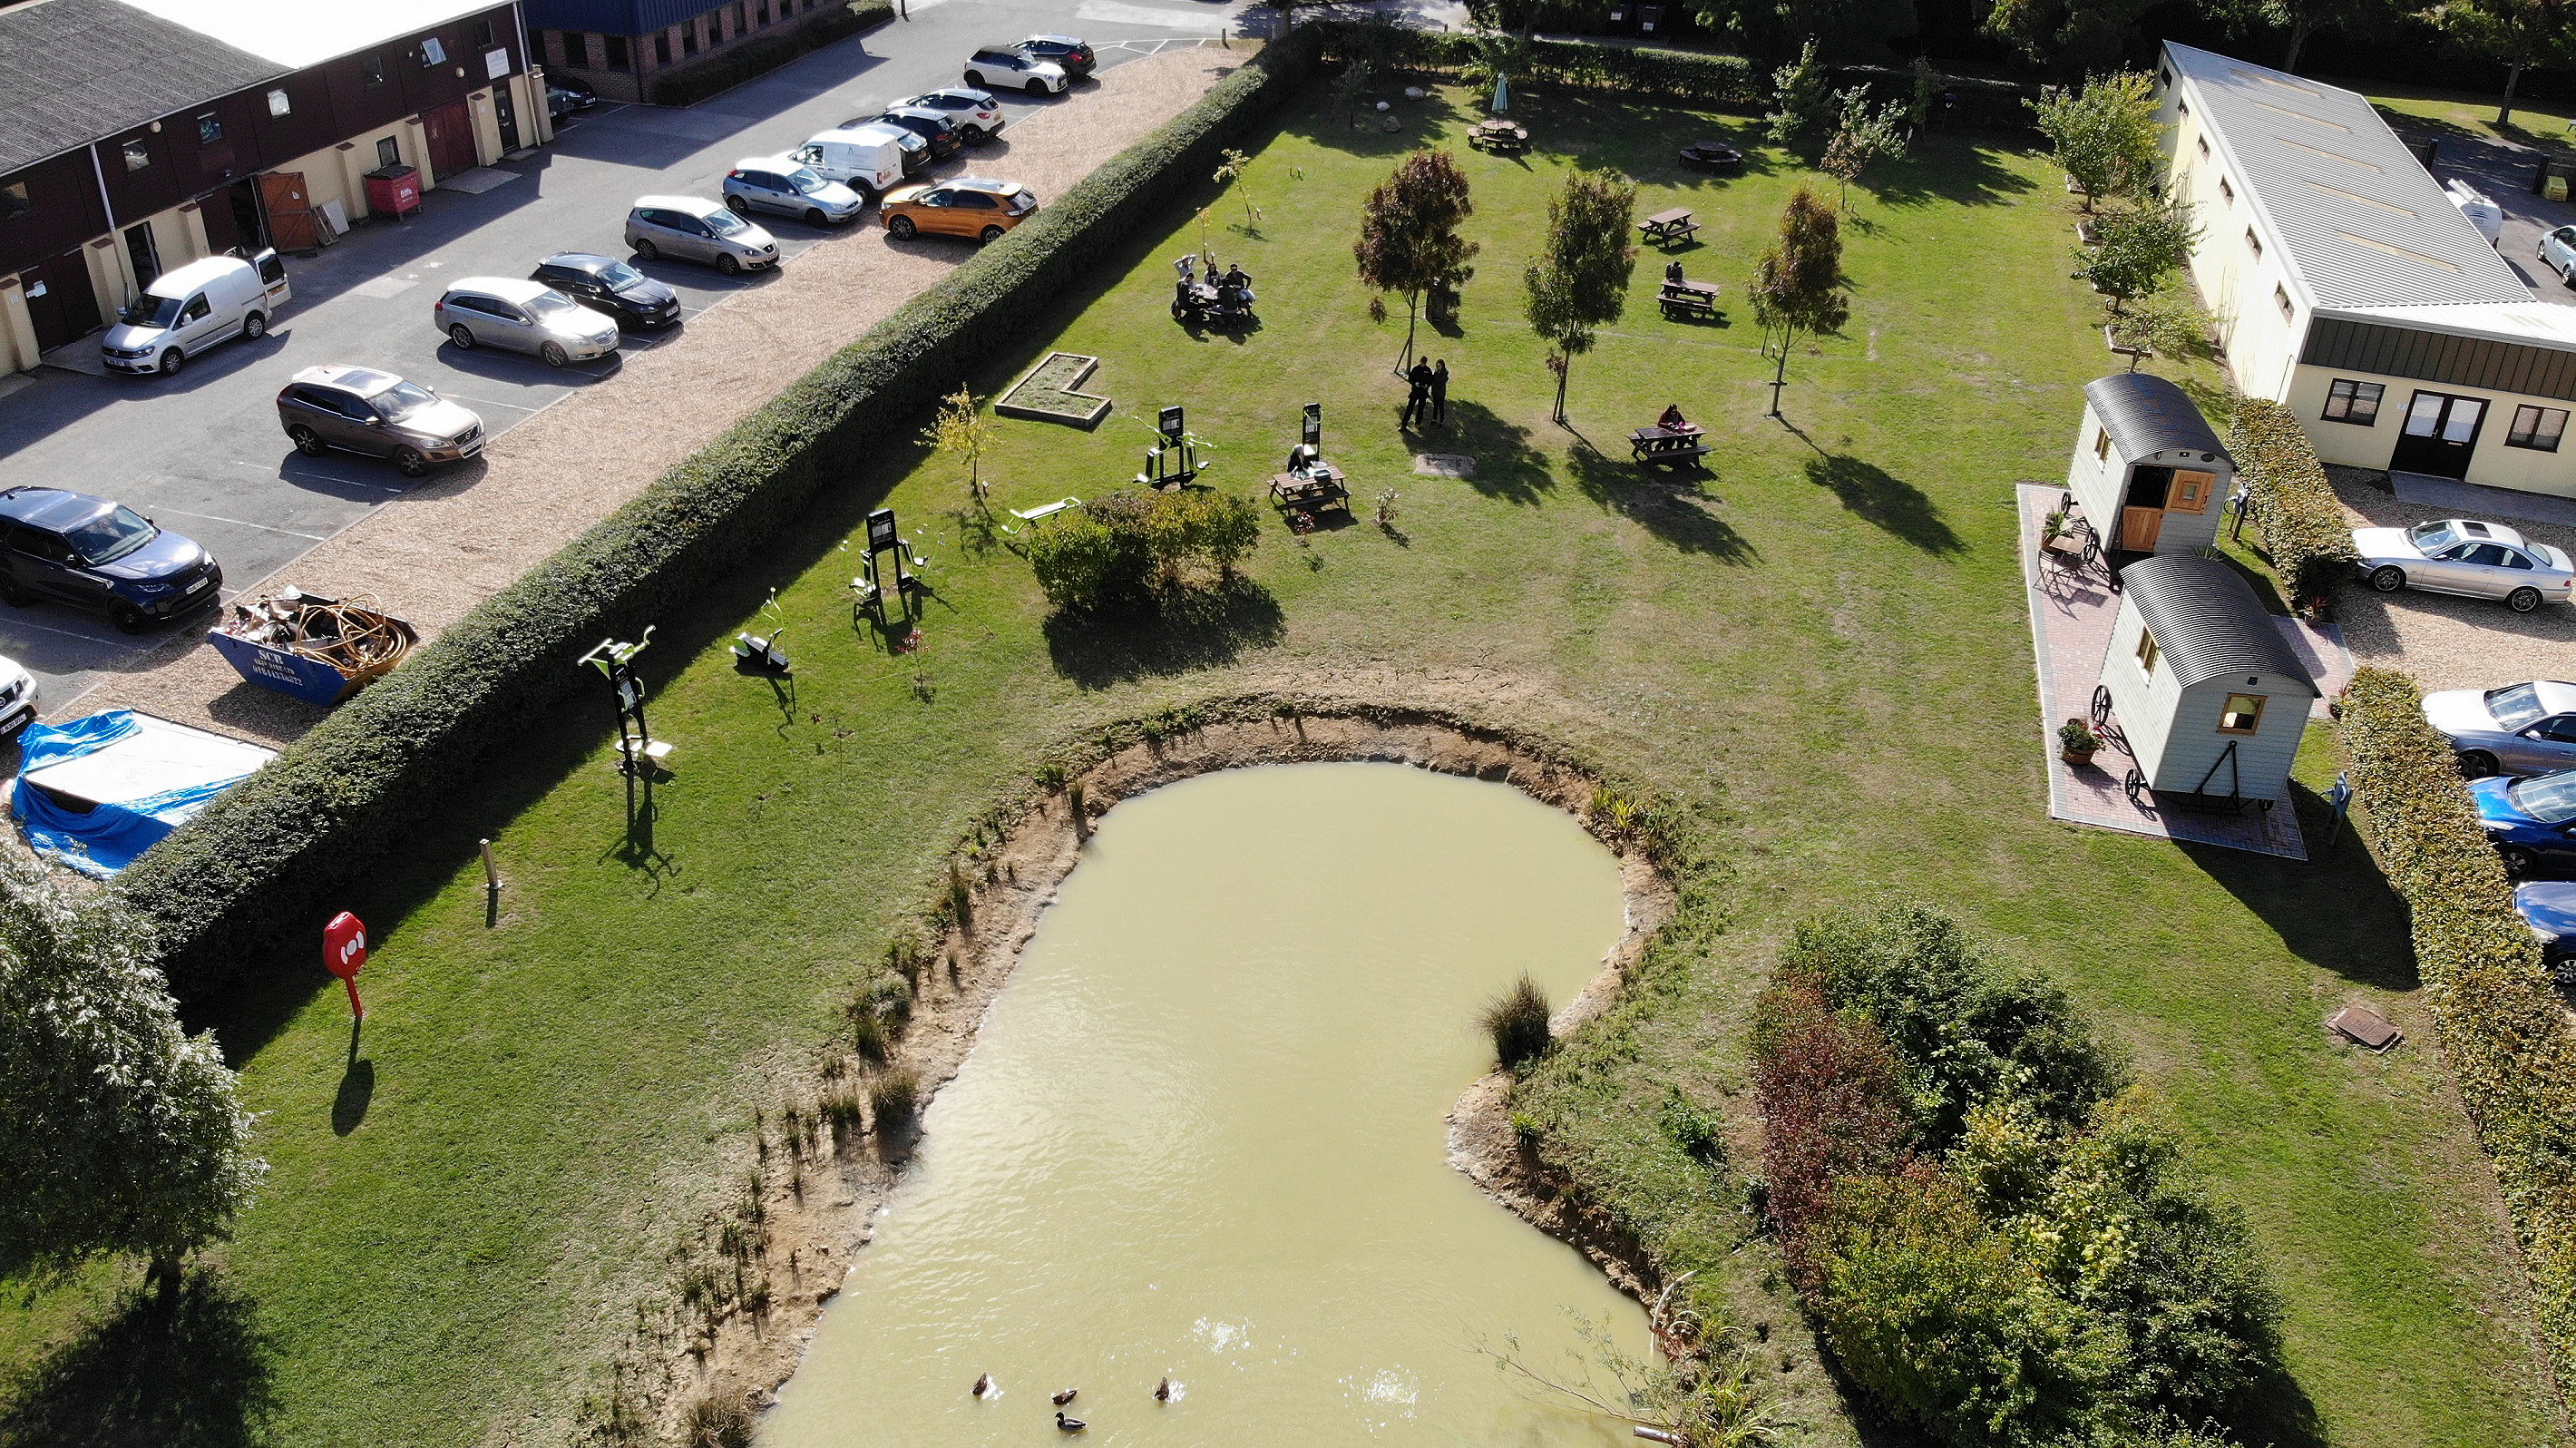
x,y
871,159
2558,253
191,308
2479,210
18,696
2530,819
376,413
1072,55
976,206
611,287
523,316
2456,555
692,228
787,186
563,101
2549,908
1007,67
938,131
976,112
99,555
2520,728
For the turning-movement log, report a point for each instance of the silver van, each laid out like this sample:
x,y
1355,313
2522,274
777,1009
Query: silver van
x,y
691,228
524,316
192,308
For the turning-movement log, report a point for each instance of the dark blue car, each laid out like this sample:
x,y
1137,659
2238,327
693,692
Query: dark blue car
x,y
2549,908
102,556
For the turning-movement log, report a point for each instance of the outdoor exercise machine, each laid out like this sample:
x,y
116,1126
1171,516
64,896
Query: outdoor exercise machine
x,y
638,752
869,586
1173,460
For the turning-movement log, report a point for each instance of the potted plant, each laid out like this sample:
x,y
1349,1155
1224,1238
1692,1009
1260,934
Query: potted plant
x,y
2052,527
2076,742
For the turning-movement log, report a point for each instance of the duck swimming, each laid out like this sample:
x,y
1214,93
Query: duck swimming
x,y
1163,1389
983,1385
1063,1396
1069,1425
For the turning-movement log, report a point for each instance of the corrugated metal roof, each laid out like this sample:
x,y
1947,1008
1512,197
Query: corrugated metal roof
x,y
75,71
299,33
2360,220
2147,414
2207,621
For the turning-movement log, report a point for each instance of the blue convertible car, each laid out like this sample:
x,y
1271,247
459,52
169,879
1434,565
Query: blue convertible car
x,y
2531,820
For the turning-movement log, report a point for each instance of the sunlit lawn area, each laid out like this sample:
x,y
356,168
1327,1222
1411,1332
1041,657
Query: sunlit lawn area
x,y
2470,115
1821,646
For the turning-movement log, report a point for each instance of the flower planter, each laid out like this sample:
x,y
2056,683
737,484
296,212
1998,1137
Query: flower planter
x,y
2076,756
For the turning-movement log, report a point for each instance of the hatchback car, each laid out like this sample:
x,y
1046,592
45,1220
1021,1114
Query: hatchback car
x,y
2558,253
2549,908
2456,555
1006,67
1075,57
611,287
2520,728
99,555
789,187
976,206
937,129
523,316
563,102
376,413
2531,820
975,112
691,228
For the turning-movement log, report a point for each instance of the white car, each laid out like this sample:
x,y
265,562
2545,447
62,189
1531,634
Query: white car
x,y
2456,555
2558,253
17,696
976,112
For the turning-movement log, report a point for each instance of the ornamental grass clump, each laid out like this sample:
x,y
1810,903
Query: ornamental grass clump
x,y
1517,1021
893,1098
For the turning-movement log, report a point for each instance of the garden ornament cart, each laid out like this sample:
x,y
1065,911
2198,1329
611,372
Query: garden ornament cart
x,y
2210,699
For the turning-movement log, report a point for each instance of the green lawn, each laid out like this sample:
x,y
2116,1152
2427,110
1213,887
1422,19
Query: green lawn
x,y
2471,116
1822,648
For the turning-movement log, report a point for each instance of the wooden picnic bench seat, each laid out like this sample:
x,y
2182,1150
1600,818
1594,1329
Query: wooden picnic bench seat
x,y
1314,492
1501,137
1666,227
1659,447
1688,299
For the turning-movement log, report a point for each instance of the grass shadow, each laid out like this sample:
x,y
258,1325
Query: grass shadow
x,y
189,1372
1202,629
1507,466
2363,938
1879,496
1947,168
1676,510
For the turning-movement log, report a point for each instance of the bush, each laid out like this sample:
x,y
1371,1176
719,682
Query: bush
x,y
1710,79
2503,1028
893,1098
275,856
2294,505
1517,1021
690,84
1125,549
1827,1088
719,1420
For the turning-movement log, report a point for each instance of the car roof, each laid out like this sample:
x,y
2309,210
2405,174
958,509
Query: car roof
x,y
694,205
957,92
178,281
1058,39
364,381
508,289
983,183
2555,697
586,261
2490,532
921,113
50,507
872,131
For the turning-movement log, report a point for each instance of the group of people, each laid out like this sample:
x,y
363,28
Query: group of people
x,y
1232,290
1429,397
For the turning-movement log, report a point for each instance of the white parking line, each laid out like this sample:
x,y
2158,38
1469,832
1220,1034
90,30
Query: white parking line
x,y
15,622
496,402
271,468
239,523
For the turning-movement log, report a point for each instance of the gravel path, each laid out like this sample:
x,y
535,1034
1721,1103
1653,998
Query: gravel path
x,y
446,545
2448,642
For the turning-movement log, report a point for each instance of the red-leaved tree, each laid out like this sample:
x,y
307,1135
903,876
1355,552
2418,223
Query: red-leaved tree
x,y
1831,1108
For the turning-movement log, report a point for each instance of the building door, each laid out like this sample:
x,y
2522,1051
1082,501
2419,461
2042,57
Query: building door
x,y
292,225
2441,431
451,139
143,252
2142,511
507,110
250,225
223,228
60,300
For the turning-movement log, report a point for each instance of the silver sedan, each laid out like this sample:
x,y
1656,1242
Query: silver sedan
x,y
2518,729
2456,555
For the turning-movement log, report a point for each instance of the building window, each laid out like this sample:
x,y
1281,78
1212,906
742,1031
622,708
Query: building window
x,y
2254,243
2164,78
760,12
388,151
2354,402
2148,653
617,51
433,51
210,129
739,23
138,153
2203,143
662,48
278,104
483,35
2537,428
2281,299
2102,443
2243,714
14,202
371,69
2226,192
689,38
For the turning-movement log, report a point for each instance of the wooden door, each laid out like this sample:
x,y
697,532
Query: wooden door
x,y
2191,492
451,139
60,301
291,223
2139,527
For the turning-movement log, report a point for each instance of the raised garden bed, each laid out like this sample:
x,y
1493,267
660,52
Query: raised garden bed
x,y
1047,393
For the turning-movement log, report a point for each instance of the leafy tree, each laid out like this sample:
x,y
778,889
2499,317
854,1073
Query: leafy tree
x,y
2106,136
2068,37
2168,324
1847,29
961,430
1409,239
1230,176
118,1132
1580,280
2516,34
1861,138
2141,249
1798,285
1929,84
2302,19
1799,94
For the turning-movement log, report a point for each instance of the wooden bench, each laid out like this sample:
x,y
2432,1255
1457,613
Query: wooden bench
x,y
1311,492
1688,299
1499,137
1663,447
1666,227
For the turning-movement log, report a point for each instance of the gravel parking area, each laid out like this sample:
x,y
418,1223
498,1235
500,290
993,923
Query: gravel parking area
x,y
2448,642
450,543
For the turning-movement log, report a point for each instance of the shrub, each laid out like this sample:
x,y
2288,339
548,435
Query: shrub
x,y
1123,550
1517,1021
719,1420
2303,526
310,833
2503,1028
1831,1106
893,1098
688,85
1726,80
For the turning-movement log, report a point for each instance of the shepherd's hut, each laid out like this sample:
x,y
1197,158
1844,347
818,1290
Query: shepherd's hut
x,y
2148,474
2209,697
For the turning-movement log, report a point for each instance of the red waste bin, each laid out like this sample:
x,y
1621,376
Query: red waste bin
x,y
393,190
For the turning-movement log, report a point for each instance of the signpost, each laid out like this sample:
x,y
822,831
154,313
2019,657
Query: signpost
x,y
344,951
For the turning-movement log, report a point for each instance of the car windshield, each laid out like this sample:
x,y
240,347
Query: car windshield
x,y
806,182
111,535
724,223
2514,707
617,276
2432,537
1022,201
152,311
2548,798
401,400
550,307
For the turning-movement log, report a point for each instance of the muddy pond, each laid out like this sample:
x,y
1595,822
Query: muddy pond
x,y
1201,1135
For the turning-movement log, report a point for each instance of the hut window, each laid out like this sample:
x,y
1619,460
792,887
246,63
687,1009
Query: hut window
x,y
2102,443
2148,653
2243,715
2200,141
2281,299
2537,427
2354,402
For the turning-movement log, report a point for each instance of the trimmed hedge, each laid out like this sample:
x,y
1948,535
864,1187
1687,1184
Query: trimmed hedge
x,y
2294,505
687,85
2502,1025
274,856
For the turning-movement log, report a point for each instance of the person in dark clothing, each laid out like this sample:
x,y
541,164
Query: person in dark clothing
x,y
1673,272
1440,391
1419,397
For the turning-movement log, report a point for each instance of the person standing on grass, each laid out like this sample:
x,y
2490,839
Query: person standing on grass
x,y
1440,391
1419,394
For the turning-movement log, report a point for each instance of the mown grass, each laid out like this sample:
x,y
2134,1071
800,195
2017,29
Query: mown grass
x,y
2471,116
1818,653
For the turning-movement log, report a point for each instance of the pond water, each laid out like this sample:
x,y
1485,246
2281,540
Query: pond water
x,y
1201,1134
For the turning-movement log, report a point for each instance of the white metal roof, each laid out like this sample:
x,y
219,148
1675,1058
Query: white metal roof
x,y
306,32
2361,222
2530,321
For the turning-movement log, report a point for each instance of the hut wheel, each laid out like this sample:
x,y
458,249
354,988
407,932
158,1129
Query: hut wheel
x,y
2136,784
2101,705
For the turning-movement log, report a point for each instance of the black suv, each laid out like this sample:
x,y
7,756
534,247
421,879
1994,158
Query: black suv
x,y
606,284
99,555
1075,56
938,131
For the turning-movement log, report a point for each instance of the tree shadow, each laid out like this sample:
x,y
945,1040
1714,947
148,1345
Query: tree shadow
x,y
2274,1409
1676,510
1947,168
188,1372
1181,633
1507,466
1881,497
2334,911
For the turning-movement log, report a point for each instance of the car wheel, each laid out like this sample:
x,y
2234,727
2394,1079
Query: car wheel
x,y
2388,578
15,594
2476,764
994,233
255,326
728,265
307,441
974,79
2518,862
462,335
2523,600
172,361
128,618
814,217
554,355
408,459
737,206
900,227
1037,87
647,250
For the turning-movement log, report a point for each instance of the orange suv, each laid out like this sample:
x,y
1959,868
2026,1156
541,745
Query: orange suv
x,y
976,206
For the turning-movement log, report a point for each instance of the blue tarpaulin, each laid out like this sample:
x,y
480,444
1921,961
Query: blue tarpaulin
x,y
94,793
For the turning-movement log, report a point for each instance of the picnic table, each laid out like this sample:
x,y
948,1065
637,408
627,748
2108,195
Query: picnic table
x,y
1688,299
1666,227
1715,155
1313,492
1668,447
1499,136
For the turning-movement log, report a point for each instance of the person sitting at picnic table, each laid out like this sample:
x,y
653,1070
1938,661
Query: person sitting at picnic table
x,y
1187,266
1673,421
1673,273
1241,281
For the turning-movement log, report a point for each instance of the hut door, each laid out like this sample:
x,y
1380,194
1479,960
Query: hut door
x,y
2142,511
2191,492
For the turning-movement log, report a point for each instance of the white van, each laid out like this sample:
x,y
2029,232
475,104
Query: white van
x,y
188,310
2482,213
867,159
